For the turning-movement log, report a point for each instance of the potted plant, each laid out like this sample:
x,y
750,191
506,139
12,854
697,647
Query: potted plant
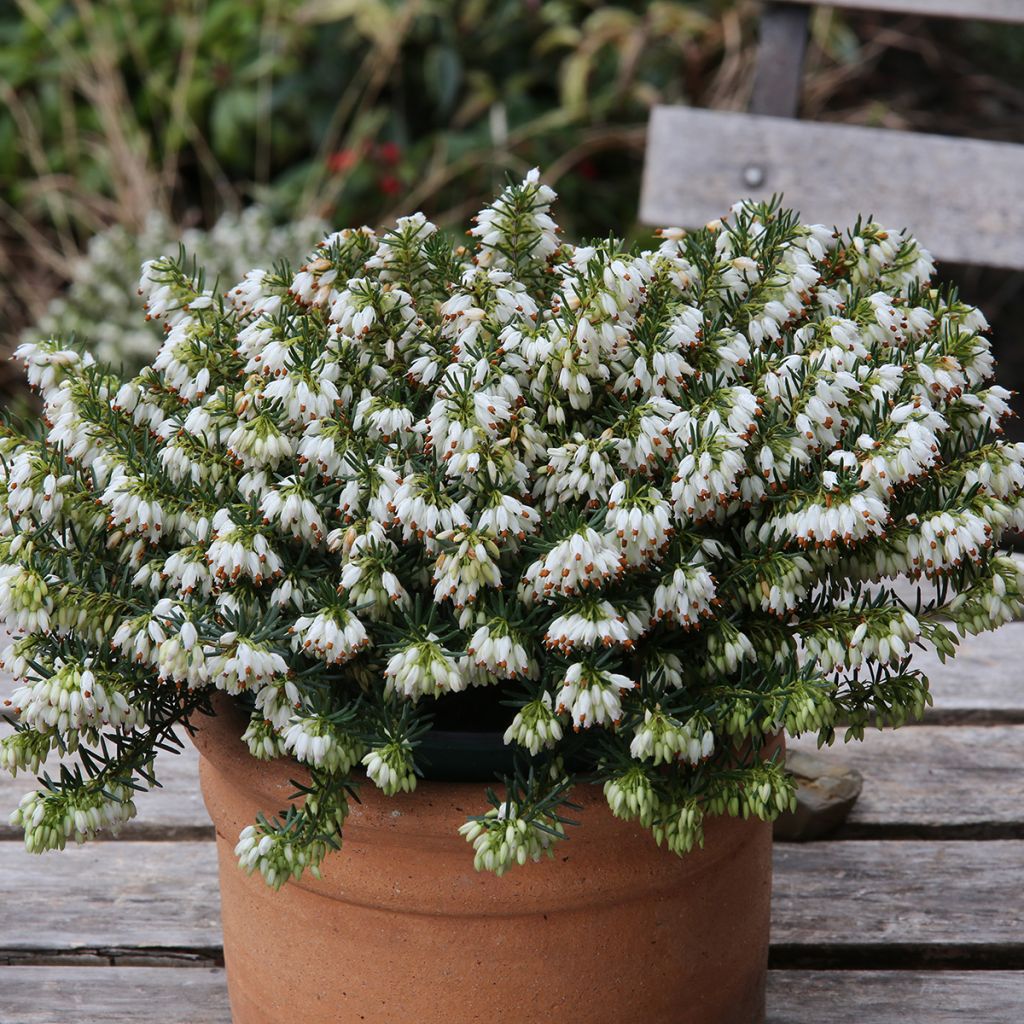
x,y
604,522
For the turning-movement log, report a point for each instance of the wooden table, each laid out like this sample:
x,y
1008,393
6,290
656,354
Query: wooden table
x,y
913,914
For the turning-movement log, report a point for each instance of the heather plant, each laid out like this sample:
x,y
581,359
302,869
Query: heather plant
x,y
100,307
649,504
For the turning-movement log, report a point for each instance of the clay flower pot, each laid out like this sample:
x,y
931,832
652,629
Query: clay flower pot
x,y
401,928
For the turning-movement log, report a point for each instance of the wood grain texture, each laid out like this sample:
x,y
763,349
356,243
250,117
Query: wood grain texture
x,y
984,683
114,995
780,60
934,782
885,997
960,197
980,10
112,896
918,899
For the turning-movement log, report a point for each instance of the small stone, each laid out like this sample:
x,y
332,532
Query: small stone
x,y
826,792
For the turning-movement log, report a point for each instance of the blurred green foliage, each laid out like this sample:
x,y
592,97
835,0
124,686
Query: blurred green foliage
x,y
338,107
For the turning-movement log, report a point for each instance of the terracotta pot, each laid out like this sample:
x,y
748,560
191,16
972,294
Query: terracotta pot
x,y
402,929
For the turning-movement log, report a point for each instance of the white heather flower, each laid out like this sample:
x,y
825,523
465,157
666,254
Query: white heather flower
x,y
25,601
592,623
140,638
32,490
315,740
579,467
641,523
501,650
496,223
74,699
368,582
129,510
943,542
662,739
503,837
46,363
259,443
592,696
262,739
277,855
244,665
183,660
707,478
334,635
698,465
863,515
289,507
50,819
423,512
508,518
729,647
188,572
584,560
381,418
303,397
277,700
390,768
686,596
666,667
323,444
536,726
422,668
467,563
240,551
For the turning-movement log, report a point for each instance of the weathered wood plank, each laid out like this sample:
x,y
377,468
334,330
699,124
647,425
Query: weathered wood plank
x,y
780,60
934,782
883,997
919,901
959,196
875,904
980,10
140,896
983,684
114,995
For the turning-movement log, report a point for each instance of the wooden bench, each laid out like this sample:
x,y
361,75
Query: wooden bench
x,y
890,920
962,198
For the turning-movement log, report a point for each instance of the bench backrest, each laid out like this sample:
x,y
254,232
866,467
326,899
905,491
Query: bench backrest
x,y
978,10
964,199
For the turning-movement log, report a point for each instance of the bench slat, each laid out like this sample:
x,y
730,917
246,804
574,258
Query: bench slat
x,y
983,683
882,997
980,10
125,902
960,197
934,782
115,994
